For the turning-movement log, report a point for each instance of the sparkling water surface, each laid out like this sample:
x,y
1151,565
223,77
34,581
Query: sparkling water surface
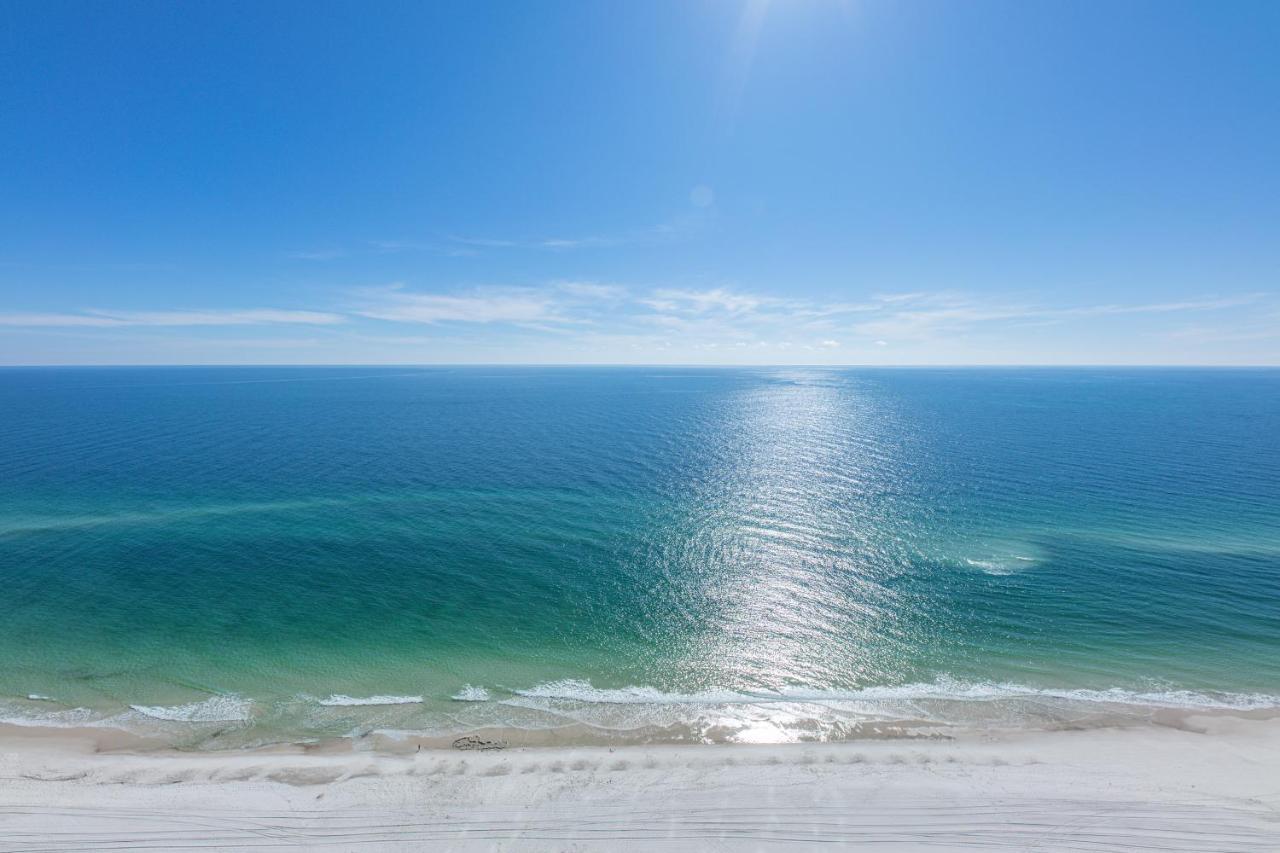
x,y
240,555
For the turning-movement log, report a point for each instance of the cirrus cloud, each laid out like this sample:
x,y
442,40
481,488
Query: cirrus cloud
x,y
108,318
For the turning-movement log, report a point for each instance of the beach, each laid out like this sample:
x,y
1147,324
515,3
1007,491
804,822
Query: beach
x,y
742,609
740,425
1194,783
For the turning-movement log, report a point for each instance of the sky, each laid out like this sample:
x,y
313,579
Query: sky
x,y
669,181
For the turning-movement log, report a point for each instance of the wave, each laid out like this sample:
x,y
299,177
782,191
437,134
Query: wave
x,y
944,689
226,708
571,689
66,718
710,715
342,701
1003,565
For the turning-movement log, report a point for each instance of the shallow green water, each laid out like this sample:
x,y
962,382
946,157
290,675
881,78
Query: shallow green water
x,y
759,552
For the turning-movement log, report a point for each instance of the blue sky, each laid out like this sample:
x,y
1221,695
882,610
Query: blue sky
x,y
794,181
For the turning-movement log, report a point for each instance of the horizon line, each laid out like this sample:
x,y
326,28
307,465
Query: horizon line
x,y
1011,365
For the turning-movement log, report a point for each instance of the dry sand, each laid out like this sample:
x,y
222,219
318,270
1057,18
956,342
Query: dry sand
x,y
1211,785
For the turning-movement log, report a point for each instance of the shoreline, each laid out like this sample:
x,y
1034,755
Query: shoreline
x,y
1208,783
105,739
629,717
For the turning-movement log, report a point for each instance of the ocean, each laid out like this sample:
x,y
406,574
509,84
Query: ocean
x,y
232,556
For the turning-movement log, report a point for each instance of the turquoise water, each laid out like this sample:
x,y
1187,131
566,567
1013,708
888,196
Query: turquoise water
x,y
240,555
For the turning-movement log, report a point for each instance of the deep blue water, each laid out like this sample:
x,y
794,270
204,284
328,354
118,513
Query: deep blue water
x,y
756,553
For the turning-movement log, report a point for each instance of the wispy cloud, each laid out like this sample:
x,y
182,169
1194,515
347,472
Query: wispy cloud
x,y
592,290
611,320
554,243
317,255
470,245
702,301
36,319
481,305
919,316
1160,307
548,307
106,318
438,247
918,323
675,228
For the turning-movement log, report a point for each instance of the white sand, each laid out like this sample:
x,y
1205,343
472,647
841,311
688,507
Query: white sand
x,y
1214,786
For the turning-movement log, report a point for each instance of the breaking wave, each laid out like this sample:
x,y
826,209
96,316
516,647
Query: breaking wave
x,y
227,708
574,690
341,701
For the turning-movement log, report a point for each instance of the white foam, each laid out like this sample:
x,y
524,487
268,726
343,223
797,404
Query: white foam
x,y
226,708
1004,563
341,701
40,697
66,718
571,689
468,693
1012,565
943,689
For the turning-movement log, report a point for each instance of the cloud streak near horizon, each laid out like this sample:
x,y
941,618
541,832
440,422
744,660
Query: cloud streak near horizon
x,y
711,320
95,318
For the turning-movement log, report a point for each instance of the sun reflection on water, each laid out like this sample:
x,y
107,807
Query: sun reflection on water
x,y
788,539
